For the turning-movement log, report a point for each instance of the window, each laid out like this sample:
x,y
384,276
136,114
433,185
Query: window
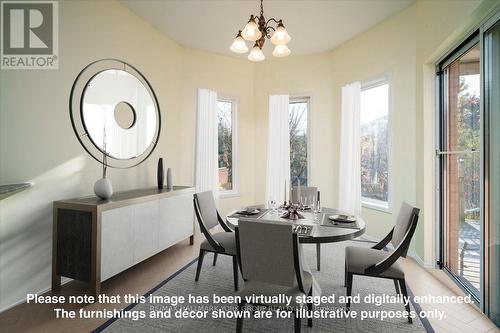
x,y
226,112
299,131
375,145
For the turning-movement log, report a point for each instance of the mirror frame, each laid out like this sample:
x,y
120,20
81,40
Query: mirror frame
x,y
76,112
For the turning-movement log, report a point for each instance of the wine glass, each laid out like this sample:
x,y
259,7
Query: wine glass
x,y
316,208
272,205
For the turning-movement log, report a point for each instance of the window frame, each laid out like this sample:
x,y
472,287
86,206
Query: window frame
x,y
234,100
373,203
303,98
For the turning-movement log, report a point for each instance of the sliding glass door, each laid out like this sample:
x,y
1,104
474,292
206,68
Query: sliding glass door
x,y
492,172
469,165
461,167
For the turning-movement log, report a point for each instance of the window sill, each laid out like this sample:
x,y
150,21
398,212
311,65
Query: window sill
x,y
228,194
376,206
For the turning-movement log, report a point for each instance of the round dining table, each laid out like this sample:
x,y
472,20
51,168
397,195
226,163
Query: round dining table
x,y
323,229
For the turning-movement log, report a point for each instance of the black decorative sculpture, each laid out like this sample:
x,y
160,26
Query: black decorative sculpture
x,y
160,174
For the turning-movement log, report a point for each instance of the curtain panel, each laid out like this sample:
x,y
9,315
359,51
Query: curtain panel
x,y
278,150
206,171
350,151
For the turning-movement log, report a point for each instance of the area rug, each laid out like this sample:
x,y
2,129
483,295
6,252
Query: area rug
x,y
219,280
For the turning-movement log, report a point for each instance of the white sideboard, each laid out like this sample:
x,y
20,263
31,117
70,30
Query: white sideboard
x,y
97,239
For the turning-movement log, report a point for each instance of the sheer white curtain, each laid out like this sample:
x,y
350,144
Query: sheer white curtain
x,y
350,152
278,149
206,177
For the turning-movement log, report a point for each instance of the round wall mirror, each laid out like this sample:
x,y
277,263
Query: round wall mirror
x,y
114,112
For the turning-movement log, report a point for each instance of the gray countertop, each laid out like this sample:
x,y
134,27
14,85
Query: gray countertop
x,y
124,198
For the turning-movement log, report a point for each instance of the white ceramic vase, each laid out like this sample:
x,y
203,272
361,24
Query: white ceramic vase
x,y
103,188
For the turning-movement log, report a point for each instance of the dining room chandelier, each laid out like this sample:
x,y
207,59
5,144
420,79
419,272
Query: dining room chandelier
x,y
257,30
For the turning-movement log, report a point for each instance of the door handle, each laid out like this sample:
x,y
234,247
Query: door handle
x,y
455,152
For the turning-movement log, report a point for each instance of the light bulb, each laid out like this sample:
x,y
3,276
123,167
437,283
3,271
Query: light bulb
x,y
256,54
239,45
281,51
251,31
280,35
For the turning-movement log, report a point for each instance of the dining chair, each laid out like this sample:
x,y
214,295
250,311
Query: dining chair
x,y
378,261
217,243
306,192
271,264
309,192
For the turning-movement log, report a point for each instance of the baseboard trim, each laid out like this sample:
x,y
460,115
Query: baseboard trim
x,y
419,260
43,291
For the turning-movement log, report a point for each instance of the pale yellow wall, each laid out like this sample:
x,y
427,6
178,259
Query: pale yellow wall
x,y
233,78
388,48
404,46
37,142
299,76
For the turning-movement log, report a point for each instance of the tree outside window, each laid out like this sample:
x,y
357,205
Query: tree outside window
x,y
225,137
374,142
298,125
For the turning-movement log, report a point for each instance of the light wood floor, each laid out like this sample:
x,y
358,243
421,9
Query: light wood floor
x,y
146,275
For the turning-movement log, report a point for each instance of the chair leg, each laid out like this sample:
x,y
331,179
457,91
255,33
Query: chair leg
x,y
215,259
235,272
396,285
239,321
200,263
402,286
318,256
296,320
349,290
309,309
345,274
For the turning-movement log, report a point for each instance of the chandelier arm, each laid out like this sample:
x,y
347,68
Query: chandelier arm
x,y
268,34
273,19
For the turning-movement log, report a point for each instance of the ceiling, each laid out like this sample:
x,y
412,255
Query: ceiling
x,y
315,25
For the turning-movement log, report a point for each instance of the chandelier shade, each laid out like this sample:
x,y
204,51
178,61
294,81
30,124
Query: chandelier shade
x,y
239,45
280,35
256,54
251,31
257,30
281,51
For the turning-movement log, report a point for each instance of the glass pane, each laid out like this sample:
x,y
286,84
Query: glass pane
x,y
375,145
492,109
462,171
225,145
298,142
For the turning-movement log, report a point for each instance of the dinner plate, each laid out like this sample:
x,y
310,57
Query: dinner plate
x,y
253,211
342,218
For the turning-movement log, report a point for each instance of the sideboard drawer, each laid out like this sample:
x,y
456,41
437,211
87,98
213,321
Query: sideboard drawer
x,y
117,252
145,230
176,219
